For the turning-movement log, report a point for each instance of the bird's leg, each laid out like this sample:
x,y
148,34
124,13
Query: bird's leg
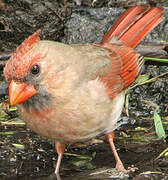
x,y
60,148
119,164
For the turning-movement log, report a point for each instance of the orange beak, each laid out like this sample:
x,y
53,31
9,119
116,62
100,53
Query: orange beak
x,y
20,92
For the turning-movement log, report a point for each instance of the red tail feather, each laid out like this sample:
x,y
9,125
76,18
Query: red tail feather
x,y
133,25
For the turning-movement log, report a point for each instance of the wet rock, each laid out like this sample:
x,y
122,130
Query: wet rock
x,y
89,25
26,17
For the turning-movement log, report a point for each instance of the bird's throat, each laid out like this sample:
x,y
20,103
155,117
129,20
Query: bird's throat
x,y
38,102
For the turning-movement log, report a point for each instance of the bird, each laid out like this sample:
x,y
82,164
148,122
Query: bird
x,y
73,93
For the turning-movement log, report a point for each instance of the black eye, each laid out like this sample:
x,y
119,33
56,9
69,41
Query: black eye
x,y
35,69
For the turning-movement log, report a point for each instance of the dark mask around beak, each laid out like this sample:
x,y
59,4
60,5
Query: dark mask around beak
x,y
4,88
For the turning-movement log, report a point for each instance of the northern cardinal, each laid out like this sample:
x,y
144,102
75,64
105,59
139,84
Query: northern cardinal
x,y
72,93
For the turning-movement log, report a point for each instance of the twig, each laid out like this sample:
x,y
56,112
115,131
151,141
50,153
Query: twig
x,y
5,55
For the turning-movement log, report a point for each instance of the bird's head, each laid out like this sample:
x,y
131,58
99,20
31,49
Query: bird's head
x,y
24,73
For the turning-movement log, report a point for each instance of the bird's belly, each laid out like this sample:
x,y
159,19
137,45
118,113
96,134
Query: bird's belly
x,y
64,128
67,125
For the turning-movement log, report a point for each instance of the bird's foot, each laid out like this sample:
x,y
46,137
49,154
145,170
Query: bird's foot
x,y
120,167
132,169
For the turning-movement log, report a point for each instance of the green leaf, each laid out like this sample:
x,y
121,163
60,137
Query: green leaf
x,y
8,133
159,126
79,156
127,103
156,59
13,122
142,78
163,153
83,163
18,146
13,108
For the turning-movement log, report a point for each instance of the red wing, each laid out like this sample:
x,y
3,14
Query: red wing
x,y
119,79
